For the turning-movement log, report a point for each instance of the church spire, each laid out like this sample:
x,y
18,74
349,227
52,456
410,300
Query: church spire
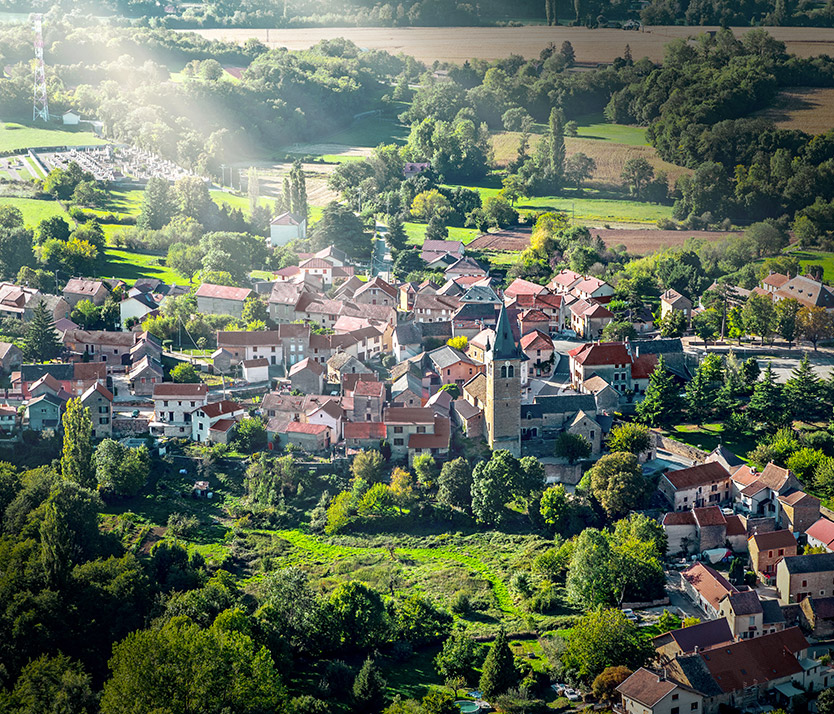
x,y
505,346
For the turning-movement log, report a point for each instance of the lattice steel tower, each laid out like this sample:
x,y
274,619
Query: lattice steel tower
x,y
40,106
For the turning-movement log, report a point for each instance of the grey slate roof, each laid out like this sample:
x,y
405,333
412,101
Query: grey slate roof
x,y
772,612
480,293
441,328
33,372
505,346
659,346
407,382
565,403
446,356
698,676
815,563
408,333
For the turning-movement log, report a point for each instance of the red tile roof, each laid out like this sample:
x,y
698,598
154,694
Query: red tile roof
x,y
735,527
646,687
438,440
172,389
710,584
746,663
699,475
601,353
523,287
222,425
822,530
408,415
777,280
643,366
215,409
679,518
369,389
365,430
257,362
792,499
536,340
709,516
774,539
223,292
297,427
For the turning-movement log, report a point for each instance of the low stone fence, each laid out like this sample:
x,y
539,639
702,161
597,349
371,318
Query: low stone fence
x,y
680,449
125,426
647,604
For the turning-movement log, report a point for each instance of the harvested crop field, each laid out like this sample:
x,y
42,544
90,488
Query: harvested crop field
x,y
509,241
637,241
457,44
808,109
643,242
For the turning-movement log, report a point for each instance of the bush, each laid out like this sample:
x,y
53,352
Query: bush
x,y
183,525
460,604
666,224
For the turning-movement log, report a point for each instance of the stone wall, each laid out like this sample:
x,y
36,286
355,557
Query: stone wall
x,y
680,449
128,426
569,474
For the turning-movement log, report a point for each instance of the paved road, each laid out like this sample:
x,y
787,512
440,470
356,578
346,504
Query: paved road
x,y
677,598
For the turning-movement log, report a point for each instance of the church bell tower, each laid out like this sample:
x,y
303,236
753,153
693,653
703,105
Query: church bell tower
x,y
503,361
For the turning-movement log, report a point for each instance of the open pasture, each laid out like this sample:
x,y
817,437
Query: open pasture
x,y
458,44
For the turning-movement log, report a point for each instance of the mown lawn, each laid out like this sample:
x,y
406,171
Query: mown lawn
x,y
588,207
35,210
370,133
15,137
708,436
417,233
129,266
816,257
594,126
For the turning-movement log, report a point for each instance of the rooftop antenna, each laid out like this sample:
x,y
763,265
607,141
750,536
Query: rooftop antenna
x,y
40,106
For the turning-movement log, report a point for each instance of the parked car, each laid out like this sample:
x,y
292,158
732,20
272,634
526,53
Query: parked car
x,y
629,613
558,687
572,695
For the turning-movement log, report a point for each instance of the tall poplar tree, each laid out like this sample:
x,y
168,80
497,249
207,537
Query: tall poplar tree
x,y
298,190
77,455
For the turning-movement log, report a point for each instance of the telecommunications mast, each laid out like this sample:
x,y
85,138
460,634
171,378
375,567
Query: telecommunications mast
x,y
40,107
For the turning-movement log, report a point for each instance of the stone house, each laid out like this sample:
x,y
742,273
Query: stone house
x,y
312,438
650,692
78,289
453,366
376,292
687,639
798,511
706,484
222,299
403,422
700,529
368,401
743,612
817,616
99,400
821,535
429,307
173,406
802,576
706,588
255,371
11,357
143,375
101,345
589,428
673,301
214,423
74,377
767,549
282,301
365,435
588,319
286,227
407,391
538,347
341,364
307,376
44,412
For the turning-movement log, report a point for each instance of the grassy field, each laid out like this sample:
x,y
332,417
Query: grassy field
x,y
708,436
129,266
14,137
817,257
417,233
808,109
34,210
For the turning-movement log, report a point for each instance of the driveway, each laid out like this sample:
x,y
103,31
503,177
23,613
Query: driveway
x,y
678,599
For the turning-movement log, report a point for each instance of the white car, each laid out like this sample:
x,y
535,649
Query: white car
x,y
572,695
559,688
629,613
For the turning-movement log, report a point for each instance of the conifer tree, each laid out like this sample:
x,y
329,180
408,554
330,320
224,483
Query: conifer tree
x,y
77,455
396,238
499,673
767,403
159,205
369,688
41,342
702,393
803,392
662,402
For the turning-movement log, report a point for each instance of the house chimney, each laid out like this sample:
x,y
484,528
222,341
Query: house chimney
x,y
636,351
697,649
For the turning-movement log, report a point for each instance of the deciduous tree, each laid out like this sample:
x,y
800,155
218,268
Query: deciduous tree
x,y
77,454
